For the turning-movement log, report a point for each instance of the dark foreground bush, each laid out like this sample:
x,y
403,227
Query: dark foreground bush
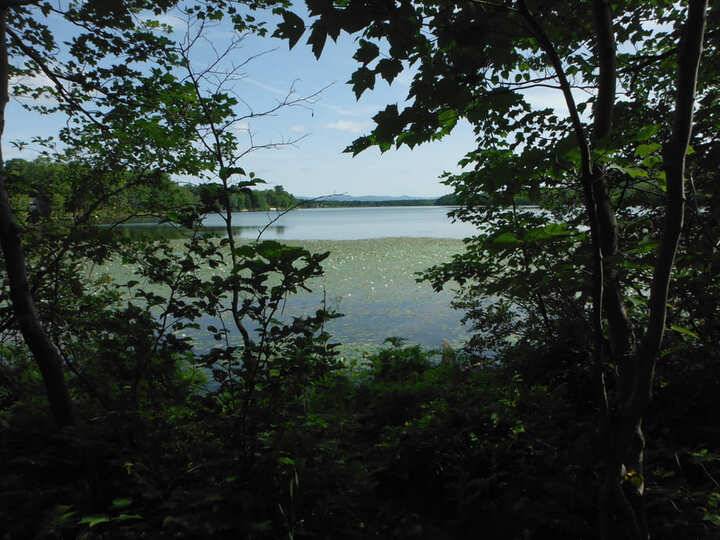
x,y
408,446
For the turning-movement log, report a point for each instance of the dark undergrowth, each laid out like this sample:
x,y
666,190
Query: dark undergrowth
x,y
408,446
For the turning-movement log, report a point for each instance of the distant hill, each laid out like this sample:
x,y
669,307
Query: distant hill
x,y
335,201
372,198
451,199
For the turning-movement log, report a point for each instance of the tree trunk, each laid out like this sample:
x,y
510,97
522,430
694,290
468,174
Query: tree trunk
x,y
621,335
635,391
46,354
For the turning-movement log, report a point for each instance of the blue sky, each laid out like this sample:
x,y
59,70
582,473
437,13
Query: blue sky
x,y
316,165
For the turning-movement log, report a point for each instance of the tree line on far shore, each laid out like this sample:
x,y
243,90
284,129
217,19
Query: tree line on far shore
x,y
43,186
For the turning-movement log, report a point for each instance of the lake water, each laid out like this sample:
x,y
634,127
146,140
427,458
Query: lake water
x,y
371,273
348,223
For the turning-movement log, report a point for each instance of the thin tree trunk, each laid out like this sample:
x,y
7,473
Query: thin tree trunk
x,y
620,330
630,442
605,48
586,178
46,355
625,481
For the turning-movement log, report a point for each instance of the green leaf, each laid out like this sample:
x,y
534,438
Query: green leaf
x,y
292,28
92,521
550,231
448,119
661,178
573,156
128,517
684,331
632,172
651,161
643,247
363,79
389,124
367,52
389,69
646,132
285,460
359,144
64,514
645,150
317,38
506,239
227,172
635,172
121,503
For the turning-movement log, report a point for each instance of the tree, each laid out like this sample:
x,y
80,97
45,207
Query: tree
x,y
254,305
113,79
480,61
30,45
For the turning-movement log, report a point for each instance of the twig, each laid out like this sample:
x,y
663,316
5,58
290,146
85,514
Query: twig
x,y
286,211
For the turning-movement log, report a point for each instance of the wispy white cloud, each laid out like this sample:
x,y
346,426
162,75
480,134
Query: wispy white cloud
x,y
298,128
354,111
268,87
240,128
343,111
350,126
357,110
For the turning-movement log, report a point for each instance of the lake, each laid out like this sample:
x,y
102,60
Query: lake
x,y
348,223
370,275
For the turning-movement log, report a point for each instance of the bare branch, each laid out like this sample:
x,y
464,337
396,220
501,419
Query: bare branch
x,y
286,211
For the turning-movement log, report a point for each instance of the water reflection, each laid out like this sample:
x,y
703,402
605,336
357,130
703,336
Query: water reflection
x,y
165,231
350,223
328,224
